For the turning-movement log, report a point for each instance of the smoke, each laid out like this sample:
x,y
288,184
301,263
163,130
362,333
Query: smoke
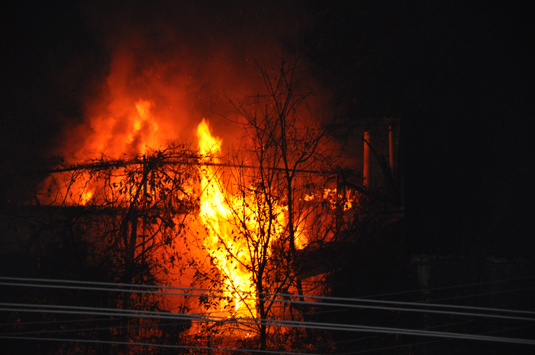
x,y
181,61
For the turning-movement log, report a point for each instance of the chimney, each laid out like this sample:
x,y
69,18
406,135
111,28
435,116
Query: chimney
x,y
366,167
391,147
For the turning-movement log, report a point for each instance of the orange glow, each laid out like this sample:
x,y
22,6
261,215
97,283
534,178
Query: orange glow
x,y
129,130
301,240
86,196
215,214
228,244
144,127
331,195
145,106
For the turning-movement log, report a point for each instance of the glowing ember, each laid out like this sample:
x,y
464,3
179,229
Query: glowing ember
x,y
86,196
301,240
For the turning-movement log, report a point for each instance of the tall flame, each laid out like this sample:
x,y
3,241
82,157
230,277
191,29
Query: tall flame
x,y
215,213
234,225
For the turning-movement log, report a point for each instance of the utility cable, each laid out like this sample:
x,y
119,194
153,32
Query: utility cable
x,y
109,284
95,329
344,305
153,345
449,287
362,298
425,306
55,322
257,322
377,337
424,343
486,294
88,288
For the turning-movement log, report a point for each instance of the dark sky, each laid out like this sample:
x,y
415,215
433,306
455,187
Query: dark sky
x,y
459,76
472,149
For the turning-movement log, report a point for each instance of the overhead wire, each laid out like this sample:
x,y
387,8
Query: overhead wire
x,y
431,302
88,288
449,287
94,328
397,346
275,322
485,294
362,298
423,343
349,306
109,284
424,309
54,322
256,322
387,348
377,337
193,347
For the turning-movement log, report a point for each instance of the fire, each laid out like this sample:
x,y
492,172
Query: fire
x,y
301,240
215,213
129,129
86,196
226,242
132,124
143,128
346,197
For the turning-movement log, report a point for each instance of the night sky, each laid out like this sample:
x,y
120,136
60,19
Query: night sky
x,y
458,76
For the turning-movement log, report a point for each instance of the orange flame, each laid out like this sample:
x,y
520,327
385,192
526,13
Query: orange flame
x,y
215,214
86,196
143,127
227,242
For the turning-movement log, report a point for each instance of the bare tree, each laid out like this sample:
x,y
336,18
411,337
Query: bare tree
x,y
283,160
130,213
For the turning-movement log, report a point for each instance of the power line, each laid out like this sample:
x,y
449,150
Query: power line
x,y
387,348
93,328
449,287
486,294
376,337
425,306
257,322
402,345
419,304
109,284
423,310
223,291
427,342
85,288
55,322
152,345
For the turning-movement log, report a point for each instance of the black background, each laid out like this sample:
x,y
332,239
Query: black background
x,y
458,76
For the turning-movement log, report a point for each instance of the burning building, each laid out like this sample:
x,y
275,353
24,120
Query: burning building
x,y
232,222
154,194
